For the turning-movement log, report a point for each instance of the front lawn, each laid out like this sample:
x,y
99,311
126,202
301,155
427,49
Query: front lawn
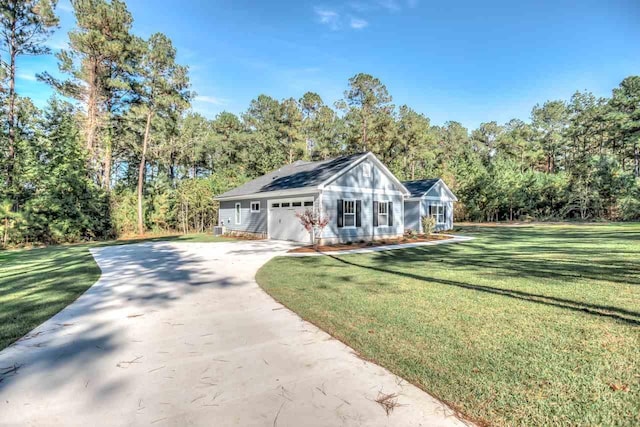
x,y
37,283
532,325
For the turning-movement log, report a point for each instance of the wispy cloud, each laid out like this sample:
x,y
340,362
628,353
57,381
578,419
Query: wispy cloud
x,y
57,44
27,77
327,17
358,24
207,99
391,5
65,6
360,6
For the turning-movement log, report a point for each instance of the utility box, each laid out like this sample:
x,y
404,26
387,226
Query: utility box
x,y
218,230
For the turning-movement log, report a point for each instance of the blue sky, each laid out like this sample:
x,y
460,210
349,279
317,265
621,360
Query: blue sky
x,y
468,60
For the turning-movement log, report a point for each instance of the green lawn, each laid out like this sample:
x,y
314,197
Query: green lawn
x,y
37,283
530,325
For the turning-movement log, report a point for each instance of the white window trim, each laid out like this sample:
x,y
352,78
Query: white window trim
x,y
251,205
386,215
344,213
237,214
437,214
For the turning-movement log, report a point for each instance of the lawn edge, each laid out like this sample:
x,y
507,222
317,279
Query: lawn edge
x,y
459,414
93,259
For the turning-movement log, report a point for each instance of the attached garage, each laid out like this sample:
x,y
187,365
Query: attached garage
x,y
283,223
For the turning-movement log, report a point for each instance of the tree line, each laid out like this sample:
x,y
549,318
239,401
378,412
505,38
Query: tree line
x,y
118,150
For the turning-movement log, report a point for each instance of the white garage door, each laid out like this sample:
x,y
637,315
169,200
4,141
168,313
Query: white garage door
x,y
283,223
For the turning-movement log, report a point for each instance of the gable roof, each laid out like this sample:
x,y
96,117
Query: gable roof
x,y
420,187
297,175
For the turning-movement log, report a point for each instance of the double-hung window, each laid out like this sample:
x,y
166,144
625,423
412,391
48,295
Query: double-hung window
x,y
438,212
349,213
383,214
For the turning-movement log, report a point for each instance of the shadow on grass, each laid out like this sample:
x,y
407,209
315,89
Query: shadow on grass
x,y
619,314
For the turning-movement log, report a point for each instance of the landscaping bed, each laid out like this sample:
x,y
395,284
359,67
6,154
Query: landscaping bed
x,y
362,245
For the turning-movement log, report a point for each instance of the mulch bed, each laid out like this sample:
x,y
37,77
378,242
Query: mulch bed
x,y
361,245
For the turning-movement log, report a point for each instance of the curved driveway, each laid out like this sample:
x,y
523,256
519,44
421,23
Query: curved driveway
x,y
180,334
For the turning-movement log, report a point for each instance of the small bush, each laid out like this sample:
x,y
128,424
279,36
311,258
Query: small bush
x,y
428,225
410,233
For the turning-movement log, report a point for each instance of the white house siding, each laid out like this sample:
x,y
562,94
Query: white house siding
x,y
354,178
334,234
448,225
412,215
255,222
438,194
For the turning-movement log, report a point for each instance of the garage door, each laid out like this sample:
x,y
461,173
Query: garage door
x,y
283,223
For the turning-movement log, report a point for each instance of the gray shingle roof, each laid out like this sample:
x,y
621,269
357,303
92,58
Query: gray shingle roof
x,y
419,187
299,174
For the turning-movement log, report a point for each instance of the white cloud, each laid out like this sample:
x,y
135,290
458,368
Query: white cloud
x,y
210,100
391,5
328,17
27,76
358,24
65,6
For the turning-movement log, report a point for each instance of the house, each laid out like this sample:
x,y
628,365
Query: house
x,y
429,197
361,197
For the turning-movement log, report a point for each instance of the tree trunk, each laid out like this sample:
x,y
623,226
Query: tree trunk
x,y
145,141
364,131
106,177
11,154
92,108
636,160
5,235
172,167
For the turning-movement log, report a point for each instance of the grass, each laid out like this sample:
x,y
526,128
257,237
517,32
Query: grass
x,y
533,325
37,283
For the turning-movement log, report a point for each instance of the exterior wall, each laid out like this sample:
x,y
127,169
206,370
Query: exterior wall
x,y
412,215
255,222
355,179
448,225
333,234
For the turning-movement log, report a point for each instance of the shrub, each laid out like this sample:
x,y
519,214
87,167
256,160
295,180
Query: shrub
x,y
428,224
410,233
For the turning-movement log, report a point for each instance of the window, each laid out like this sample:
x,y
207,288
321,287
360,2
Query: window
x,y
255,207
285,205
296,204
349,213
366,170
308,203
437,210
383,214
275,205
238,214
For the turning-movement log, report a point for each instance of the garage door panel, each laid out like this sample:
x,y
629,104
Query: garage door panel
x,y
283,223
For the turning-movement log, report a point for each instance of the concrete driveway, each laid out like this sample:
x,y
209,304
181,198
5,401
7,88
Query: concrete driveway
x,y
180,334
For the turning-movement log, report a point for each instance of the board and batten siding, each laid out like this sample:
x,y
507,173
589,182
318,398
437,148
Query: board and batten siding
x,y
355,178
251,222
334,234
412,215
448,225
438,194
